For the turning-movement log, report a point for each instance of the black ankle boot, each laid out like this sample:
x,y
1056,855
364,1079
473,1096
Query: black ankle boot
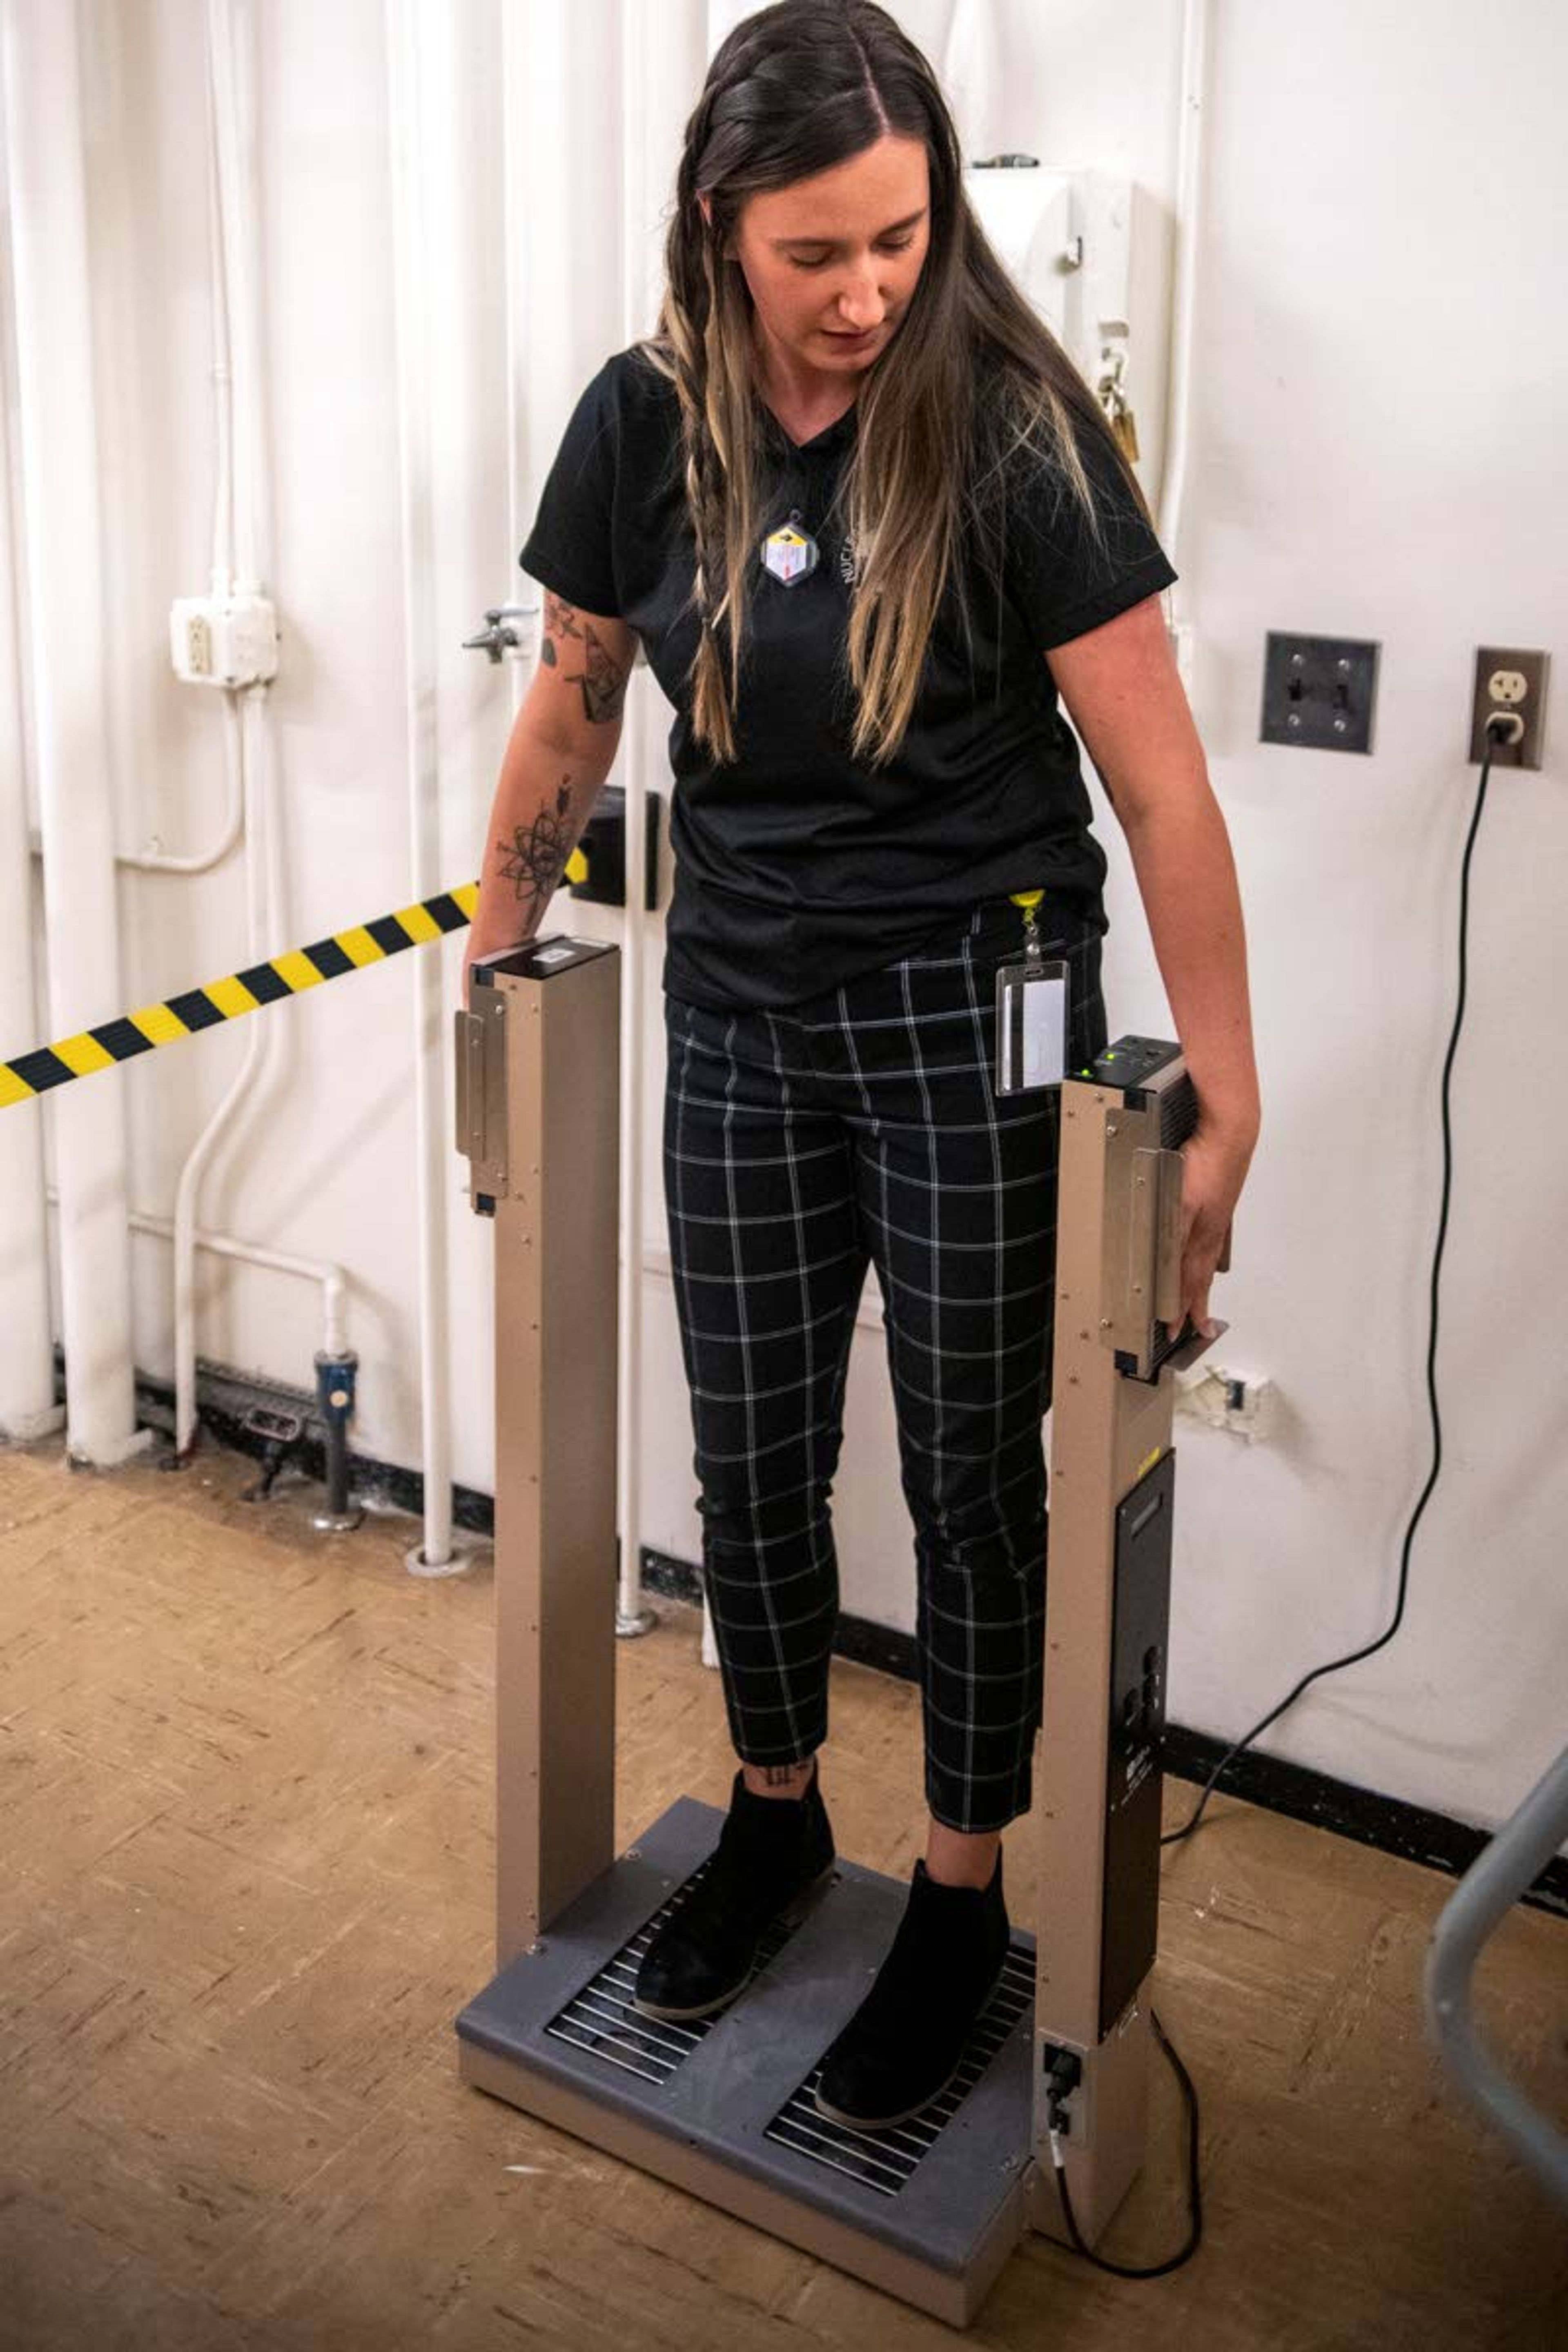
x,y
774,1856
902,2046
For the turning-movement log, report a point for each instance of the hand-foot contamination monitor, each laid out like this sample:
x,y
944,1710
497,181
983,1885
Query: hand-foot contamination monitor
x,y
929,2209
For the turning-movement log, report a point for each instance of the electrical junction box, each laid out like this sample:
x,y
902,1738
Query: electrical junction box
x,y
222,640
1066,237
1244,1403
1089,251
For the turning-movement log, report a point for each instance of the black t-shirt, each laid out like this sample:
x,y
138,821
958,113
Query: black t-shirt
x,y
797,865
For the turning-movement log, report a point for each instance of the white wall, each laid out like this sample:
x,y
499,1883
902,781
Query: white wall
x,y
1371,348
1377,346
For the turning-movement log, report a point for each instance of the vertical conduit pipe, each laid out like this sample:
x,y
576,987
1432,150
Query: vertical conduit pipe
x,y
57,424
639,45
27,1407
516,55
1191,146
246,742
408,146
658,68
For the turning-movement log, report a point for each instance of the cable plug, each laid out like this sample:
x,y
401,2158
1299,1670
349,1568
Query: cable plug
x,y
1064,2073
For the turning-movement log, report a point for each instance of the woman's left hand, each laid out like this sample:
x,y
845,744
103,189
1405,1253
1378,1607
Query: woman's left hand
x,y
1214,1161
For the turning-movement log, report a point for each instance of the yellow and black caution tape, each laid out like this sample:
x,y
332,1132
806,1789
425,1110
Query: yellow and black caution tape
x,y
241,992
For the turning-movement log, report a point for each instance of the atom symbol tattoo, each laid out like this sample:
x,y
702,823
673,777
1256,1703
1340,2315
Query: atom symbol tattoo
x,y
536,858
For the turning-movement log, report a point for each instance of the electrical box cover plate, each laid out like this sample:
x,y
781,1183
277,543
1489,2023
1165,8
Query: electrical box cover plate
x,y
1319,691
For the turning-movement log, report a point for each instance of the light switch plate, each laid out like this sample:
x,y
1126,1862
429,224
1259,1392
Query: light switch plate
x,y
1319,691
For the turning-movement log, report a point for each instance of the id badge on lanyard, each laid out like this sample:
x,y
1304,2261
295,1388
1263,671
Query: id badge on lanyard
x,y
790,553
1031,1013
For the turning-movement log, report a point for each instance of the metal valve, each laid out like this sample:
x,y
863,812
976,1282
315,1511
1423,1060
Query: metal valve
x,y
497,638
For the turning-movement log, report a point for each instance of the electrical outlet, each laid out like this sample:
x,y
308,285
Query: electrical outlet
x,y
1513,684
227,641
1242,1402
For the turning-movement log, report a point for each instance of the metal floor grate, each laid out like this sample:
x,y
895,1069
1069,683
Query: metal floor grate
x,y
600,2019
886,2160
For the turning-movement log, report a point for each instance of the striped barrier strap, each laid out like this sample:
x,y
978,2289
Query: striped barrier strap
x,y
241,992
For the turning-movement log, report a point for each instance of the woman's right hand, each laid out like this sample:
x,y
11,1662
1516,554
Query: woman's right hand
x,y
560,749
477,949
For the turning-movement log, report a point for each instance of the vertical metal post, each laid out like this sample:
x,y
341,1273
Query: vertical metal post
x,y
538,1114
1097,1779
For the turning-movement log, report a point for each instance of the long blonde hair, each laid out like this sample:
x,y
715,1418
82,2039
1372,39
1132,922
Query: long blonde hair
x,y
972,375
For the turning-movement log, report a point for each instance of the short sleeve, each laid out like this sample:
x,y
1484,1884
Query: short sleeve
x,y
1062,581
570,548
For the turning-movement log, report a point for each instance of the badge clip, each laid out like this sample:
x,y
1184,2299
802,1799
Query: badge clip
x,y
1031,1011
790,553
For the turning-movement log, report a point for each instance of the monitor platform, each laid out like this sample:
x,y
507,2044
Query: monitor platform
x,y
929,2210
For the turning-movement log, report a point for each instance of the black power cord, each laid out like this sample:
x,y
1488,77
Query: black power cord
x,y
1064,2076
1065,2072
1502,722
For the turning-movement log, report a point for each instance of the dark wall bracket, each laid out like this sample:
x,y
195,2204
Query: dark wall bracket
x,y
597,870
1319,691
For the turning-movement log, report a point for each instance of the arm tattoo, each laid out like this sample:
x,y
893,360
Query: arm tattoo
x,y
602,679
560,618
535,859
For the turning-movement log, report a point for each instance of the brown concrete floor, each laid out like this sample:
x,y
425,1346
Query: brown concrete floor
x,y
245,1852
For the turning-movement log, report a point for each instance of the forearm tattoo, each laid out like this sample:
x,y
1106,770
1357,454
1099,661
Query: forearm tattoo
x,y
534,859
602,678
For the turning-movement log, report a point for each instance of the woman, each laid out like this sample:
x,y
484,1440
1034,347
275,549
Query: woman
x,y
868,521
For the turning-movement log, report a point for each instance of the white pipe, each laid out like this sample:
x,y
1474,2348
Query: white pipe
x,y
232,52
1191,147
59,443
246,743
248,1085
325,1271
230,834
410,150
27,1407
222,369
634,927
152,859
517,65
722,15
636,64
333,1280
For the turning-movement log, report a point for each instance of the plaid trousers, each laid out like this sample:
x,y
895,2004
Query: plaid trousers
x,y
863,1125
